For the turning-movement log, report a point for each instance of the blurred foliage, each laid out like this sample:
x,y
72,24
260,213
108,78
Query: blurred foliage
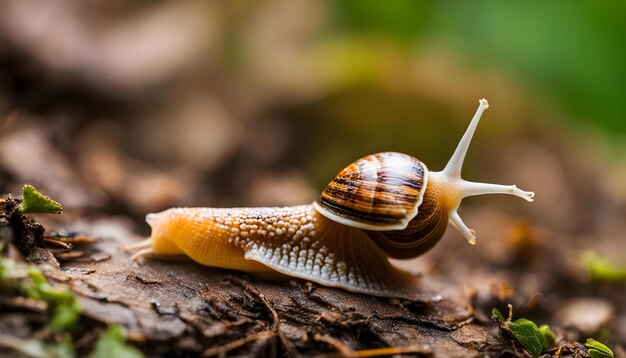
x,y
602,269
566,52
35,348
401,20
112,343
63,308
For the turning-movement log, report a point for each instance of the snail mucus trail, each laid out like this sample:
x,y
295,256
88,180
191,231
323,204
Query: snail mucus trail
x,y
383,205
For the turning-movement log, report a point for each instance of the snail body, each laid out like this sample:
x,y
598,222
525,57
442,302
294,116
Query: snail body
x,y
383,205
296,241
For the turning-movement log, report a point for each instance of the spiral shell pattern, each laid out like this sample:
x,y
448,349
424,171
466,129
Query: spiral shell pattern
x,y
378,192
421,234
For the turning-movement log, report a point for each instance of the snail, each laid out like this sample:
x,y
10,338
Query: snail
x,y
385,205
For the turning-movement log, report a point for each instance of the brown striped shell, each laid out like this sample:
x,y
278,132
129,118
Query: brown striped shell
x,y
379,192
422,233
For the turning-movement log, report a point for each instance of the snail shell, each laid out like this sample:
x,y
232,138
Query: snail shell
x,y
384,194
383,205
379,192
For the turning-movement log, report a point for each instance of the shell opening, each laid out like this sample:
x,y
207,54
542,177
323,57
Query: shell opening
x,y
356,224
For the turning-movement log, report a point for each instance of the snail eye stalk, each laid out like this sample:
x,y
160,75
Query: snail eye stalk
x,y
450,176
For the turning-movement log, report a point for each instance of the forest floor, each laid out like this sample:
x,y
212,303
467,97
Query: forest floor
x,y
178,307
134,108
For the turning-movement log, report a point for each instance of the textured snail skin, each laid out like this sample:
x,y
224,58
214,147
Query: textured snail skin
x,y
296,241
383,205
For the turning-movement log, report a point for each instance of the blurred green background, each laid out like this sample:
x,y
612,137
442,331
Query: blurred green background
x,y
570,54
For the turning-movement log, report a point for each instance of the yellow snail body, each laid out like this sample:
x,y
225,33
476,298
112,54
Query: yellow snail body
x,y
383,205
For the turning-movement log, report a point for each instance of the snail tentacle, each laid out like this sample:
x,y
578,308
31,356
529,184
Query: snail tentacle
x,y
455,164
474,188
458,224
452,188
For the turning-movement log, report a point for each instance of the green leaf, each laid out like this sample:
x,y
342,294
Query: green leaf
x,y
27,347
496,313
62,305
597,349
63,308
37,277
527,333
549,338
6,266
602,269
63,349
37,349
112,344
33,202
65,315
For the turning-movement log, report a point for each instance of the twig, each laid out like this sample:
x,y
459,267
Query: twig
x,y
70,255
389,351
281,336
337,344
345,351
57,242
221,350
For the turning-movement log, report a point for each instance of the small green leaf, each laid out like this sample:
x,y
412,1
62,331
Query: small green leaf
x,y
527,333
112,344
65,315
496,313
6,267
549,338
602,269
37,277
27,347
64,308
33,202
63,349
37,349
597,349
